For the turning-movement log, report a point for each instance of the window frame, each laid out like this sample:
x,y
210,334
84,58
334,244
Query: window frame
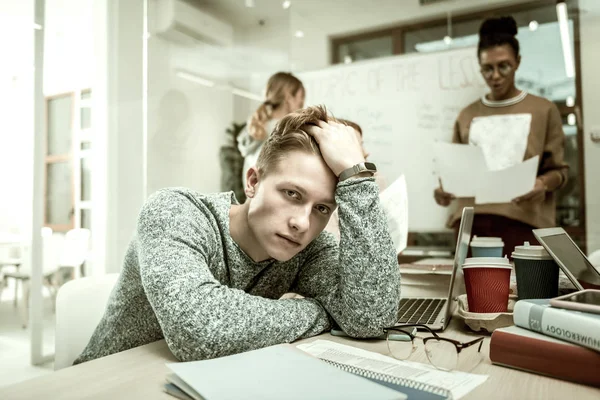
x,y
60,158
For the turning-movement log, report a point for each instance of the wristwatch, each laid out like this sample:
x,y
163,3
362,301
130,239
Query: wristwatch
x,y
358,169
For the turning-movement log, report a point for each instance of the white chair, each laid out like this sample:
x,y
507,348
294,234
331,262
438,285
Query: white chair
x,y
52,249
75,250
80,304
11,257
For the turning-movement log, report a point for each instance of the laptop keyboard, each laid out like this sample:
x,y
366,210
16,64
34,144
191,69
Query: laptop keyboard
x,y
419,311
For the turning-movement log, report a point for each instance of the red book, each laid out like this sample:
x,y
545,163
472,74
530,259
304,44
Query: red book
x,y
530,351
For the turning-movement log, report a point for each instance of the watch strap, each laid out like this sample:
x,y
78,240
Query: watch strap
x,y
358,169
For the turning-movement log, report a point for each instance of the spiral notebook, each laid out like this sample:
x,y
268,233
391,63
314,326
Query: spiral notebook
x,y
412,389
271,373
416,380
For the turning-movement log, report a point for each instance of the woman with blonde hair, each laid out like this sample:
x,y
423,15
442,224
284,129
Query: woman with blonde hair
x,y
284,94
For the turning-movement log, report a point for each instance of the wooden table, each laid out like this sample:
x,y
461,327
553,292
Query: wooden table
x,y
140,373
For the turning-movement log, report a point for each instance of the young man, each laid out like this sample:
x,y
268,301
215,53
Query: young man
x,y
206,273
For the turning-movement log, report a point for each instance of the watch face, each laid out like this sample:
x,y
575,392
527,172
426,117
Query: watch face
x,y
370,166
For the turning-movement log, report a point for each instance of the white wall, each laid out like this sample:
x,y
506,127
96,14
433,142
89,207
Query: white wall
x,y
69,46
118,164
259,51
186,122
16,103
590,59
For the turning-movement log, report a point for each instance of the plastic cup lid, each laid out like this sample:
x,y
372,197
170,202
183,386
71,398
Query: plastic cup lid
x,y
531,252
489,241
486,261
487,238
497,266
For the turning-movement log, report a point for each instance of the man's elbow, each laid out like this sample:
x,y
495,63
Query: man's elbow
x,y
372,321
191,352
370,327
363,331
187,348
205,345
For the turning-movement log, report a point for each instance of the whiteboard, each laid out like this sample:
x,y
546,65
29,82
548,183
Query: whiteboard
x,y
403,104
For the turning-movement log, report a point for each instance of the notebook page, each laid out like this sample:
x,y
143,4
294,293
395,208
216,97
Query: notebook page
x,y
459,383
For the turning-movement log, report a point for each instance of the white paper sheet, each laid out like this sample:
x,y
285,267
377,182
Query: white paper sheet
x,y
503,138
459,383
460,167
504,185
394,200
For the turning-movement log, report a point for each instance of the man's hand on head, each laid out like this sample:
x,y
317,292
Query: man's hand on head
x,y
339,145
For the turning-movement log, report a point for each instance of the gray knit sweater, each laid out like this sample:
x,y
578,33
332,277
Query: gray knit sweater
x,y
184,279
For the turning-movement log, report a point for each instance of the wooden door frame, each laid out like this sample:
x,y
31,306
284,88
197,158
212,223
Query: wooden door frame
x,y
53,159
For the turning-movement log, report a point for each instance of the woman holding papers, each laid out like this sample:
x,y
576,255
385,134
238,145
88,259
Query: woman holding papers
x,y
510,125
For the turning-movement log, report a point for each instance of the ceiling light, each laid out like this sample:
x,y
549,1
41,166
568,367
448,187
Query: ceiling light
x,y
448,37
299,34
249,3
571,119
286,4
563,25
347,59
533,25
195,78
246,94
570,101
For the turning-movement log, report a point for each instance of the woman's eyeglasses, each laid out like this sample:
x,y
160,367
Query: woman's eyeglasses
x,y
504,69
442,353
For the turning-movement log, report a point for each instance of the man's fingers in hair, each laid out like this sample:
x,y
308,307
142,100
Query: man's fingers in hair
x,y
315,132
322,124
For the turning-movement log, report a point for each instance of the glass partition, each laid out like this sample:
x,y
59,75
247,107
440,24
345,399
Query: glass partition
x,y
542,72
203,87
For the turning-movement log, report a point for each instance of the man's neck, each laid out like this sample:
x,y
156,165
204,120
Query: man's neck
x,y
240,232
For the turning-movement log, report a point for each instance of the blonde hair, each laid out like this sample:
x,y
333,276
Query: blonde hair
x,y
279,86
289,135
351,124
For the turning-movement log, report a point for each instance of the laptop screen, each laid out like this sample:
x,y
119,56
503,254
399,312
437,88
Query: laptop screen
x,y
460,254
572,258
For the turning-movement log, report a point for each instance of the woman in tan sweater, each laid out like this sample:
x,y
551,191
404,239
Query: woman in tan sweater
x,y
535,119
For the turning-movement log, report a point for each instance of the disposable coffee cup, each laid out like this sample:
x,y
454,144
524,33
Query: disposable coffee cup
x,y
536,271
487,246
487,281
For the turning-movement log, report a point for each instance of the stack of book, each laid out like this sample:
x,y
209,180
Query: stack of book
x,y
561,343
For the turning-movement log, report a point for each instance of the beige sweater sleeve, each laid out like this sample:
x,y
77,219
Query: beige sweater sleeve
x,y
553,169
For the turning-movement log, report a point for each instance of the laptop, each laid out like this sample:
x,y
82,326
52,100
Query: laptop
x,y
569,257
435,312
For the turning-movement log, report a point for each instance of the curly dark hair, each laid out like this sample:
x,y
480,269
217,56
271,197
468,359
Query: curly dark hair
x,y
497,32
